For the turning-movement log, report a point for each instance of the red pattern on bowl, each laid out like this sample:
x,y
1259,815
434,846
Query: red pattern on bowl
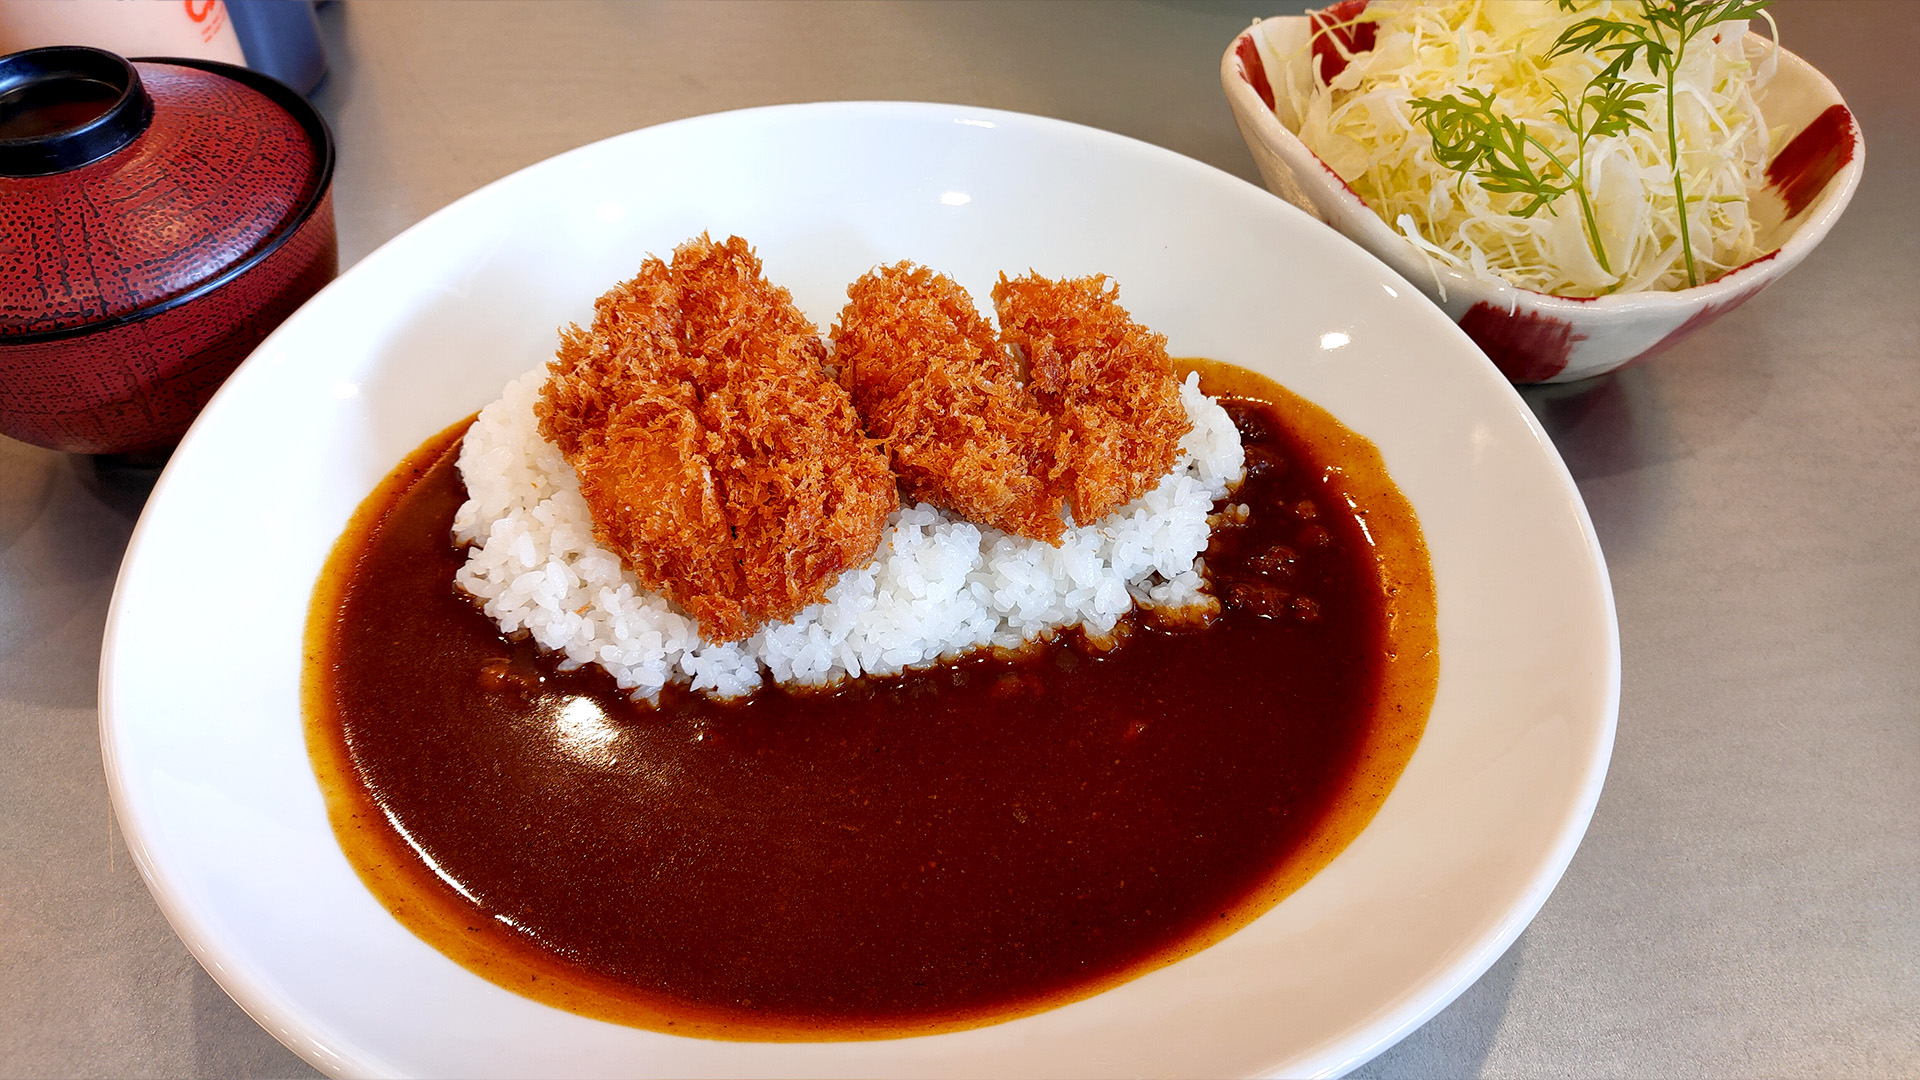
x,y
1801,170
1336,36
1527,346
1533,337
131,286
138,384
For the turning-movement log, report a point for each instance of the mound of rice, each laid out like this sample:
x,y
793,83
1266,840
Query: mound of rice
x,y
937,587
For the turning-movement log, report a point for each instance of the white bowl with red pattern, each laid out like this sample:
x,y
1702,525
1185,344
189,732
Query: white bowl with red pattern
x,y
1531,336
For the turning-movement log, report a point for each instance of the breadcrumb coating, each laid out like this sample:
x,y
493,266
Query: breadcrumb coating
x,y
725,468
935,387
732,475
1095,424
1104,380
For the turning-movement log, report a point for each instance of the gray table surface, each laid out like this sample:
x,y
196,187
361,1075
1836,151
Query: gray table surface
x,y
1747,900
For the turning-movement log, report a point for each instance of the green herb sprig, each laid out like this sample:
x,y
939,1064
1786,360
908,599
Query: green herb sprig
x,y
1661,41
1469,137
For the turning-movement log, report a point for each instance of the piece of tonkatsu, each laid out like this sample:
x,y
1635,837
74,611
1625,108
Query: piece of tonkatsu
x,y
720,462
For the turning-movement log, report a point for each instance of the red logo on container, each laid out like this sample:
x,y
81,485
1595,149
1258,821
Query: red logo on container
x,y
209,13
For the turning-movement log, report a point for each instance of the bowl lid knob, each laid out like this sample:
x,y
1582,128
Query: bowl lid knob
x,y
67,106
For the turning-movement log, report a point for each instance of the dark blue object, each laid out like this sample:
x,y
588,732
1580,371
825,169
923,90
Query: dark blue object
x,y
281,38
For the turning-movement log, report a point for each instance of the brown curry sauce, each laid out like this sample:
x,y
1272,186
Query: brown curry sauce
x,y
897,856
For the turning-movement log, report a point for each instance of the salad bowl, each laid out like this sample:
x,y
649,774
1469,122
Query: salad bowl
x,y
1534,337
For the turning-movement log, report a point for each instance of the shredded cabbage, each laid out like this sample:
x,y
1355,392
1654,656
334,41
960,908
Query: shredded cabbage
x,y
1361,125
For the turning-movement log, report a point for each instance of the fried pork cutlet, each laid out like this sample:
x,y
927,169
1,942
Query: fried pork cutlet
x,y
934,386
1095,425
719,461
1105,382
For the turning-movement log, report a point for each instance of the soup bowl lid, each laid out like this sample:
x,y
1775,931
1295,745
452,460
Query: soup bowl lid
x,y
133,186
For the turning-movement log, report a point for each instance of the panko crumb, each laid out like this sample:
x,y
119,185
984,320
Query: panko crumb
x,y
1094,424
720,463
935,387
1104,380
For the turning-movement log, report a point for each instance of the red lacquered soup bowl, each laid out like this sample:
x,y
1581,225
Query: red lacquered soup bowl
x,y
158,218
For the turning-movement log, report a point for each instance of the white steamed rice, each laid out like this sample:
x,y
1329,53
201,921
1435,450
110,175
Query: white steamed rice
x,y
938,585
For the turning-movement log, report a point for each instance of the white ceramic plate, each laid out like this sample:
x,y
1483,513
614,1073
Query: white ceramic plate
x,y
199,683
